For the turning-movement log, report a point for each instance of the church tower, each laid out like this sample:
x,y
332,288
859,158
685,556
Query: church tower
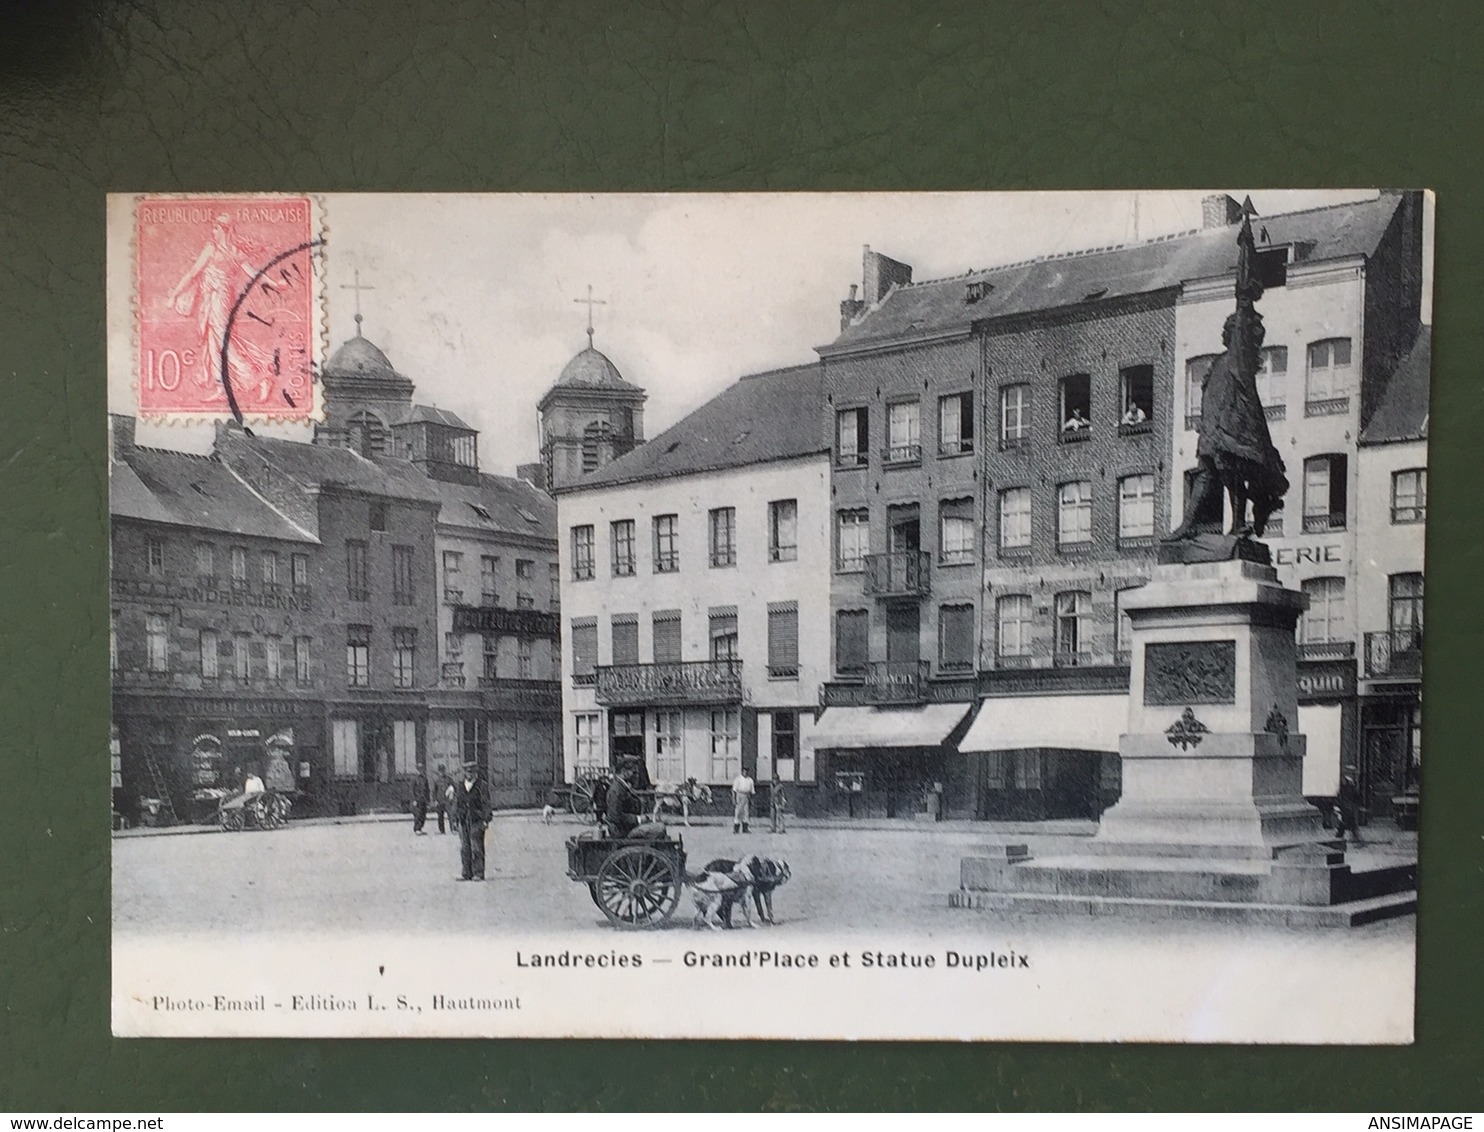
x,y
590,417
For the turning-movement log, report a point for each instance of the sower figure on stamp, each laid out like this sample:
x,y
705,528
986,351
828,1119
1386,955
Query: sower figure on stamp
x,y
1235,453
471,805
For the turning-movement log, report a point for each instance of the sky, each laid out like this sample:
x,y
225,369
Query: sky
x,y
475,298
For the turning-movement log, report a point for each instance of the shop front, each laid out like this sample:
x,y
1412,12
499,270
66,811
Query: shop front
x,y
886,762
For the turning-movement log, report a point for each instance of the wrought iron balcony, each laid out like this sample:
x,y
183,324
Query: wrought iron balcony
x,y
1326,650
1394,653
1334,521
1327,407
1275,412
901,454
679,682
905,573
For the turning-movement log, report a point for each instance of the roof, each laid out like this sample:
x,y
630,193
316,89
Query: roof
x,y
360,357
431,414
322,465
1402,413
941,305
593,368
501,504
194,491
764,417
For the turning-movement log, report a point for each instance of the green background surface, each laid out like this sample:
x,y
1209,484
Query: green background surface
x,y
391,95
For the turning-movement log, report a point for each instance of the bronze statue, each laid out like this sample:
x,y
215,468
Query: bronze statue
x,y
1235,452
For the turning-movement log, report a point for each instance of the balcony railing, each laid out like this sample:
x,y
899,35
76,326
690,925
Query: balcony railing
x,y
678,682
1327,407
1394,652
897,681
1326,650
584,679
904,573
1075,435
1072,659
900,454
1135,428
1314,524
1275,412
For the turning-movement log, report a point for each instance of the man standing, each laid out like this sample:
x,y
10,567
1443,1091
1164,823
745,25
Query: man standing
x,y
441,800
420,794
742,788
471,807
776,803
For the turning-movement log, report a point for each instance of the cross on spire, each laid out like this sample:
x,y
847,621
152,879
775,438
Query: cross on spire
x,y
357,287
591,302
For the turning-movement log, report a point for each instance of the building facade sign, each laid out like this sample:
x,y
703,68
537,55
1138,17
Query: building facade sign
x,y
1320,680
685,682
1314,554
290,601
515,622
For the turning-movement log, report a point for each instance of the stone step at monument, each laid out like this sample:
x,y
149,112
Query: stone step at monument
x,y
1350,914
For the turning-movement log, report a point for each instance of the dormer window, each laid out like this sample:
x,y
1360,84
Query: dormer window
x,y
977,290
1272,266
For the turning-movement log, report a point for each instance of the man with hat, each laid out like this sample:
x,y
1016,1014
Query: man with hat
x,y
623,809
472,808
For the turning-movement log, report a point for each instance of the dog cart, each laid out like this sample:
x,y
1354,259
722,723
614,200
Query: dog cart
x,y
635,881
265,810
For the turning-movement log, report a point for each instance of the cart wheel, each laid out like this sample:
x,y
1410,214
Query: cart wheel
x,y
638,887
580,800
272,813
592,888
233,821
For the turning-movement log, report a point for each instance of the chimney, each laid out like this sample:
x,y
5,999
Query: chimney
x,y
121,428
1220,210
851,308
880,274
533,474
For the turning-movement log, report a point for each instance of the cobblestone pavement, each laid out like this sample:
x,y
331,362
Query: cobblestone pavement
x,y
376,875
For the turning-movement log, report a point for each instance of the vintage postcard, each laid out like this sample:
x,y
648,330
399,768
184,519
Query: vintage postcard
x,y
934,616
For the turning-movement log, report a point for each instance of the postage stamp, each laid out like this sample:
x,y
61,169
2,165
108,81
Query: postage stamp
x,y
226,307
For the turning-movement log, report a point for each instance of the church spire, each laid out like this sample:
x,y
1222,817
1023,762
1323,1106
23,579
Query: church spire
x,y
591,302
358,287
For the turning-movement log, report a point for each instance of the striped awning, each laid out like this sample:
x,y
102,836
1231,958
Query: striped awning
x,y
925,726
1073,723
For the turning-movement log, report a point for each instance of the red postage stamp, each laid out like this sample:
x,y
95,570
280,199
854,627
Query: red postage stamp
x,y
227,290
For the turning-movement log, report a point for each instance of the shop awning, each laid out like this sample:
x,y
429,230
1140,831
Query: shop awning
x,y
925,726
1074,723
1320,724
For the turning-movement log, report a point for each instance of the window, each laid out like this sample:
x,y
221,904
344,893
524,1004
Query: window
x,y
1196,371
273,657
154,557
404,658
269,567
665,633
623,548
726,744
489,579
902,439
783,640
956,531
955,424
1272,266
852,438
525,569
1013,626
724,634
210,655
239,567
554,572
666,544
582,553
1136,508
1072,637
1074,513
852,629
1123,627
1272,377
490,657
1324,493
1015,518
1409,496
589,741
625,639
596,441
585,649
1329,383
1076,406
1136,385
785,745
345,748
956,638
1324,621
242,657
378,516
1015,415
113,640
453,577
852,540
723,525
301,660
669,746
1404,600
299,573
476,742
205,562
358,655
524,657
783,530
453,645
404,746
401,575
157,642
357,582
366,433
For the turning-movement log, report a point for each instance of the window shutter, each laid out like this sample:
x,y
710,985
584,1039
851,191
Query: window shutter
x,y
783,636
667,636
956,634
851,640
584,649
625,641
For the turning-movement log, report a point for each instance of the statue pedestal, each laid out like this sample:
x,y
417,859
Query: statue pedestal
x,y
1211,822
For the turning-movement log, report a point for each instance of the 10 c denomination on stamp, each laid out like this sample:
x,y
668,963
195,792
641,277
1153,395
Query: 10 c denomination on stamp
x,y
227,294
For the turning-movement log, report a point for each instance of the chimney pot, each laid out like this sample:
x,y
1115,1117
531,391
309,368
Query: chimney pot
x,y
1220,210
